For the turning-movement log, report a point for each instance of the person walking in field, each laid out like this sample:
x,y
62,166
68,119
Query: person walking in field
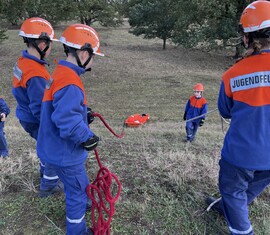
x,y
4,112
64,119
195,106
244,98
29,81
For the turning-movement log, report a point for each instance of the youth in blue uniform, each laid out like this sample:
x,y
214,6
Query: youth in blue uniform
x,y
196,106
29,81
64,120
244,98
4,111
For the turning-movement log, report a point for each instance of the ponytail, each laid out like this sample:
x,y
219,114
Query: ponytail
x,y
257,41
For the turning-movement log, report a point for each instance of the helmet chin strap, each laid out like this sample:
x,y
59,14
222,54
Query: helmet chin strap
x,y
87,62
74,53
42,53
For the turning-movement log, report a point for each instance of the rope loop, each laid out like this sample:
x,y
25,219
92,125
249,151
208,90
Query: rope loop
x,y
103,201
100,193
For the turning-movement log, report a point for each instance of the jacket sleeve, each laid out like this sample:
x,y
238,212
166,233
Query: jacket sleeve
x,y
4,107
35,92
204,110
225,103
69,114
187,105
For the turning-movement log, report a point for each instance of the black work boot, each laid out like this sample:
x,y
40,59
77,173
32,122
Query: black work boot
x,y
89,232
59,188
213,204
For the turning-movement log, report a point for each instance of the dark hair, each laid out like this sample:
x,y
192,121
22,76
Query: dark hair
x,y
257,40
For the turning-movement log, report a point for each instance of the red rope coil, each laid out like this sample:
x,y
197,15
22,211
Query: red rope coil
x,y
100,193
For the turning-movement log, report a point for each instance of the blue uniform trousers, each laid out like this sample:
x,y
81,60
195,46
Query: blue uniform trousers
x,y
3,141
49,178
75,181
191,130
238,188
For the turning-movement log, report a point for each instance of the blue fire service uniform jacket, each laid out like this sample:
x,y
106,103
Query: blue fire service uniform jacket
x,y
64,118
244,98
3,143
196,107
4,107
29,81
63,128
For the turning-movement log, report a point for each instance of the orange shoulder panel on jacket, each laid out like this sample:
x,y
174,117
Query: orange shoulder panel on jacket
x,y
197,103
248,80
26,69
62,77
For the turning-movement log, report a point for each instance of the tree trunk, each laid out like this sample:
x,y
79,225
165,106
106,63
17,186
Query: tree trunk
x,y
81,20
164,44
88,22
237,51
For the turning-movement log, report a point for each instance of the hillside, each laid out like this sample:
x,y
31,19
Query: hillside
x,y
165,181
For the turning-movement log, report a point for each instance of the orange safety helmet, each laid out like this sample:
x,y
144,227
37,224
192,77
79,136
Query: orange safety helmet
x,y
256,16
80,36
37,28
198,87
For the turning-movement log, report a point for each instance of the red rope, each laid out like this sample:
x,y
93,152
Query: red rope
x,y
108,127
100,193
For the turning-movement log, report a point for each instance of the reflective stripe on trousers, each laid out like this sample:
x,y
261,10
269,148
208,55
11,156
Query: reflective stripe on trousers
x,y
238,188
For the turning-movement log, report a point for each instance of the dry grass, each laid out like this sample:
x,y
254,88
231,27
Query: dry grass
x,y
164,180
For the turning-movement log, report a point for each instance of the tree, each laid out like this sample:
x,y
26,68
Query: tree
x,y
153,19
3,35
103,11
208,23
122,7
12,11
52,10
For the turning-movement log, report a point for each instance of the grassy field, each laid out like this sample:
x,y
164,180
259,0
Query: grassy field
x,y
165,181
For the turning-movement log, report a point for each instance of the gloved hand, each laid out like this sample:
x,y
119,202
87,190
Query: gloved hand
x,y
91,143
90,117
2,117
201,122
185,116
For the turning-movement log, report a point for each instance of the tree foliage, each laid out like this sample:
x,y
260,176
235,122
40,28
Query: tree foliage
x,y
153,18
193,23
122,7
86,11
103,11
53,10
12,11
208,23
3,35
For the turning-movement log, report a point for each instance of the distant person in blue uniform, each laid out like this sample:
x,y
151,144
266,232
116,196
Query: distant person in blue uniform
x,y
4,112
196,106
64,119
